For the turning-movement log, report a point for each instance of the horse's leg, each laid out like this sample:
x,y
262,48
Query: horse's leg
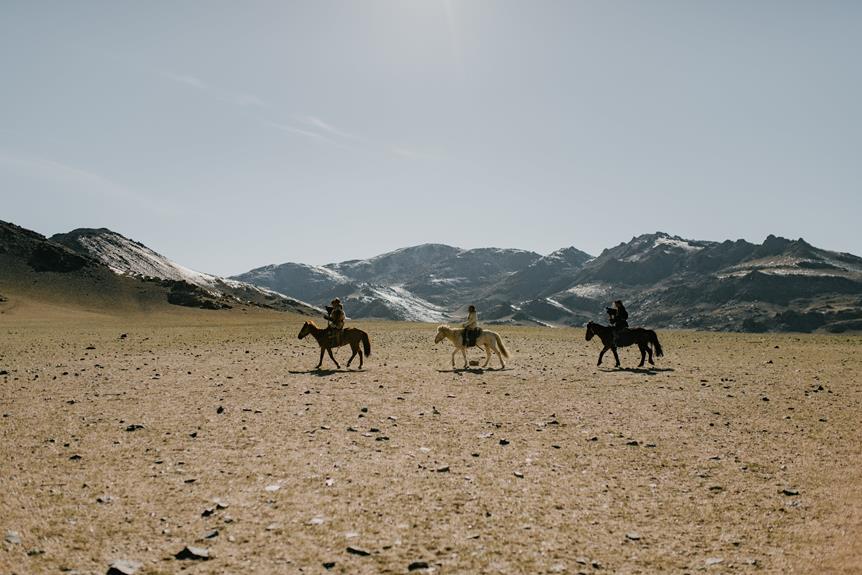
x,y
487,355
464,353
643,354
332,357
499,355
355,349
601,353
649,351
454,351
319,363
616,357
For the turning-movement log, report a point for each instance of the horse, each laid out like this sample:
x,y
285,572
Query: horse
x,y
640,336
488,339
326,340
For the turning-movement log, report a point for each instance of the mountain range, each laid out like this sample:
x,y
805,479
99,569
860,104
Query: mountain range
x,y
666,281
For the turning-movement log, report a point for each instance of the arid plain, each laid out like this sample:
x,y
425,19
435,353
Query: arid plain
x,y
739,453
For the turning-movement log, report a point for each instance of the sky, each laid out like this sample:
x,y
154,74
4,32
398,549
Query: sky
x,y
231,135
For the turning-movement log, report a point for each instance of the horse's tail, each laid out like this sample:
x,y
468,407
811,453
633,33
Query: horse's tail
x,y
366,343
502,347
656,345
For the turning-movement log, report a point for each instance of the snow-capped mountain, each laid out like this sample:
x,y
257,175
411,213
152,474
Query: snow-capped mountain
x,y
666,280
417,283
128,257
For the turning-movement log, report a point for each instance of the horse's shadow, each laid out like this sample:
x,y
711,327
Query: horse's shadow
x,y
473,370
324,372
642,370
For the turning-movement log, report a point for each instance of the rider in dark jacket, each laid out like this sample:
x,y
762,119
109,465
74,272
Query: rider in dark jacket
x,y
619,318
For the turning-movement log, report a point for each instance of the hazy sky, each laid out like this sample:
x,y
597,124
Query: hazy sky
x,y
229,135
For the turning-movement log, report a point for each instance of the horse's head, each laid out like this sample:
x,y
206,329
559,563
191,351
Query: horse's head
x,y
590,332
441,333
306,329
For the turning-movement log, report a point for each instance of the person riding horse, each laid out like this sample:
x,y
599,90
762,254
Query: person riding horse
x,y
471,327
618,317
335,316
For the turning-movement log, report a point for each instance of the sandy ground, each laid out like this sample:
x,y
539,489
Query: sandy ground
x,y
738,454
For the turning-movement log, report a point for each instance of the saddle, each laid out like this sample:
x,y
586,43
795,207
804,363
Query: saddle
x,y
333,336
471,335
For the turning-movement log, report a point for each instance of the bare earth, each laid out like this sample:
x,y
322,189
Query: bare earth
x,y
738,454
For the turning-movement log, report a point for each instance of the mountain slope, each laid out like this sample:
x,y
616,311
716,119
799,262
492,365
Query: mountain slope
x,y
128,257
33,268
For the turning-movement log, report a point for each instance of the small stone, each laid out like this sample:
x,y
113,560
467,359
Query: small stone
x,y
790,492
713,561
316,520
358,551
104,499
193,554
123,567
504,442
519,475
273,488
220,409
443,469
134,427
329,565
13,537
211,534
417,565
633,442
633,536
207,512
75,457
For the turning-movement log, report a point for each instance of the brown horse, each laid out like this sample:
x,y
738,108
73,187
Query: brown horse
x,y
328,339
640,336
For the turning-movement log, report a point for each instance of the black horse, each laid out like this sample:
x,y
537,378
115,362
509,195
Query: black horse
x,y
640,336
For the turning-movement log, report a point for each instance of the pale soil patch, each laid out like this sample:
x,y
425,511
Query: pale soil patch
x,y
424,476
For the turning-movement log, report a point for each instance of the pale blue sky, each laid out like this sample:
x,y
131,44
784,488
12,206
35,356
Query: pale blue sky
x,y
229,135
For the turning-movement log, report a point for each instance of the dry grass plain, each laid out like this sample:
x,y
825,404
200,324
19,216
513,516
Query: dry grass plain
x,y
551,466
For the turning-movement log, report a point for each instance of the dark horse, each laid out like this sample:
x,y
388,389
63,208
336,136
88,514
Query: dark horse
x,y
640,336
327,340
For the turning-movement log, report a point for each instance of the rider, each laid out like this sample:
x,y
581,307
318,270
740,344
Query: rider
x,y
618,317
335,317
471,324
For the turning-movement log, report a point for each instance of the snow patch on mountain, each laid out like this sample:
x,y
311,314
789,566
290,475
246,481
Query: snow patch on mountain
x,y
407,305
591,290
676,243
125,256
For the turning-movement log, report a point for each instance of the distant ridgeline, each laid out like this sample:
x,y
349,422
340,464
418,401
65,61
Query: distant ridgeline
x,y
665,281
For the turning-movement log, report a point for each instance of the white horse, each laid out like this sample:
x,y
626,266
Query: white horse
x,y
489,340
